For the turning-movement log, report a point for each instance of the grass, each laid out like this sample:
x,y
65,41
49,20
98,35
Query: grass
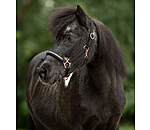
x,y
127,126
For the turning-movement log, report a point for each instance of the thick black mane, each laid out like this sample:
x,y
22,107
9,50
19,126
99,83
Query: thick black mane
x,y
109,50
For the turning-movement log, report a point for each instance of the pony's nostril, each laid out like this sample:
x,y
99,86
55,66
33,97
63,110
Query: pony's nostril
x,y
42,72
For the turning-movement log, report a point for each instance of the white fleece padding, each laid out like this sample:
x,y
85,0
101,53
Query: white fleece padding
x,y
68,80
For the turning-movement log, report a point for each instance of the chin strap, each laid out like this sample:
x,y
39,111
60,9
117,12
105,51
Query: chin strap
x,y
67,63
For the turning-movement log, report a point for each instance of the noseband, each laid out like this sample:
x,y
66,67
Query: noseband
x,y
67,62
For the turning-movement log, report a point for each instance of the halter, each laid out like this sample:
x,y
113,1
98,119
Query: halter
x,y
67,62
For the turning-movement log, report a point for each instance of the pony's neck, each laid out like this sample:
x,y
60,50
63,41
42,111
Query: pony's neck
x,y
101,77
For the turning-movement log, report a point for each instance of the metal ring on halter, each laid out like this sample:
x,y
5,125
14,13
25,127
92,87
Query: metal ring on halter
x,y
66,78
85,46
67,62
92,36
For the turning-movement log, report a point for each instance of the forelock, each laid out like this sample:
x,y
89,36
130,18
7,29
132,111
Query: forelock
x,y
71,26
60,19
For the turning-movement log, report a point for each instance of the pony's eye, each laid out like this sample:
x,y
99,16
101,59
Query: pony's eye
x,y
70,39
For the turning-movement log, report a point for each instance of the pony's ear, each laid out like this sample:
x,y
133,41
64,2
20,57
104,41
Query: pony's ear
x,y
82,17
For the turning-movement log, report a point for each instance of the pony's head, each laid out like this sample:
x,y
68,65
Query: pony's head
x,y
73,30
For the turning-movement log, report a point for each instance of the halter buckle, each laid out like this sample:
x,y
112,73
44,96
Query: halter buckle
x,y
86,52
67,62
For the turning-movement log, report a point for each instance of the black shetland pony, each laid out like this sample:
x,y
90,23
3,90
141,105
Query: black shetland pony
x,y
76,84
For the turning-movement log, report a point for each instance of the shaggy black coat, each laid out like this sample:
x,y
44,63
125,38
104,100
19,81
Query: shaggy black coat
x,y
94,98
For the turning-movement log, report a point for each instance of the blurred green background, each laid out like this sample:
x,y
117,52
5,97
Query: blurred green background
x,y
33,37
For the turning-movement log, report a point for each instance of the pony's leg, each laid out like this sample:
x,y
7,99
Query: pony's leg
x,y
112,124
106,127
30,123
37,125
78,127
117,128
113,128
